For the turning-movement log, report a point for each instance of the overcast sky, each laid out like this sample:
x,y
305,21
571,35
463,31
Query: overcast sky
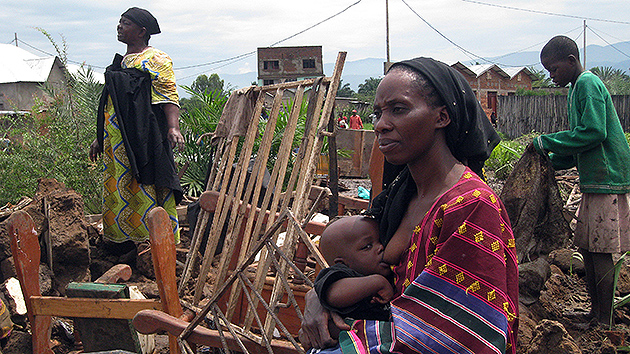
x,y
195,33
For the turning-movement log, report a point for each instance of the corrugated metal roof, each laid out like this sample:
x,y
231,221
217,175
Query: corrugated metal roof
x,y
19,65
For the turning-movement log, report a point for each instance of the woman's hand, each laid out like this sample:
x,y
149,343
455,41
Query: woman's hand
x,y
314,332
95,150
176,138
171,111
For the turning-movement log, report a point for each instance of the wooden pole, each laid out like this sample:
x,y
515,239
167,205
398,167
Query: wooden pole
x,y
387,28
585,44
333,175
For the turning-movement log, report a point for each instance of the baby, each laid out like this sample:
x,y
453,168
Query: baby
x,y
358,283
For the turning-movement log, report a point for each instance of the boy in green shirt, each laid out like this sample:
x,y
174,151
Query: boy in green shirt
x,y
596,144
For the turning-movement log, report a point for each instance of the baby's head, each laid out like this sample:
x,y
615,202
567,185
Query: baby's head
x,y
354,241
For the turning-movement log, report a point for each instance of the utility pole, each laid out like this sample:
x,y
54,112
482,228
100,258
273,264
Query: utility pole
x,y
386,66
16,42
585,44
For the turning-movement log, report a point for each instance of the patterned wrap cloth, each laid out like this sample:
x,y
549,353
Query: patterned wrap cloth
x,y
6,325
459,282
126,203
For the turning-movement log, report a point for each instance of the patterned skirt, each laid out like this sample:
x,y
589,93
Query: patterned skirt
x,y
126,203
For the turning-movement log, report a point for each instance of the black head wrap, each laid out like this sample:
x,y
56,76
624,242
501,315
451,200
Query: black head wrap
x,y
143,18
470,137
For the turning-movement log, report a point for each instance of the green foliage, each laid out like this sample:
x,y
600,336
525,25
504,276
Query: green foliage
x,y
367,90
579,257
197,120
503,158
623,300
524,92
203,84
53,142
345,90
616,80
542,80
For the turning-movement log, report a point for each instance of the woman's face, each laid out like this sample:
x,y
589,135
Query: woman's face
x,y
406,125
128,31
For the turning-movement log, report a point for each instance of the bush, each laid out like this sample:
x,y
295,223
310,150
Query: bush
x,y
54,143
504,156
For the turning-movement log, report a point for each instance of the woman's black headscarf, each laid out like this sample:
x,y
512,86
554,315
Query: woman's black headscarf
x,y
470,137
143,18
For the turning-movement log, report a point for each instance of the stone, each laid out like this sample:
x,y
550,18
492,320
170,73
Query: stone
x,y
550,337
18,342
567,260
532,278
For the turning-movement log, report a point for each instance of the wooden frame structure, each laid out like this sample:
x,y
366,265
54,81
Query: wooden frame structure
x,y
40,309
249,310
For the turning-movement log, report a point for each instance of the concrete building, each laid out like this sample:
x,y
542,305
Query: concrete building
x,y
284,64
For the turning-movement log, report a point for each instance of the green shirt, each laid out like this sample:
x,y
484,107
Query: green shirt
x,y
595,142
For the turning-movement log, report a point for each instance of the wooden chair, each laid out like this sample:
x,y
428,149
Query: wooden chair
x,y
26,254
256,309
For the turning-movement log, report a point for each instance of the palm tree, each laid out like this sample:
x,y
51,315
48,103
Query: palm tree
x,y
616,80
542,80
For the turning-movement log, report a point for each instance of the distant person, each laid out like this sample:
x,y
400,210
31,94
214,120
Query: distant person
x,y
357,283
342,122
138,132
355,120
493,119
596,144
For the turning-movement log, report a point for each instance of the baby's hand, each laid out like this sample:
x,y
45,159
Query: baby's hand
x,y
385,294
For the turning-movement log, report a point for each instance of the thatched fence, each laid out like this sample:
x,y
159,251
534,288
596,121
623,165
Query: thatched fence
x,y
518,115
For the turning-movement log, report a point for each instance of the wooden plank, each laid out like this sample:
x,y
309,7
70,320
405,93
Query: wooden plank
x,y
90,308
26,256
153,321
164,258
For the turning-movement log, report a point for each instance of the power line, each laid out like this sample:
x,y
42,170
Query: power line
x,y
547,12
467,52
239,58
615,48
242,56
214,62
50,54
534,45
317,24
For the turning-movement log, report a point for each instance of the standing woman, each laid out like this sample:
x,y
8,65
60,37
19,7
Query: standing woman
x,y
446,233
137,128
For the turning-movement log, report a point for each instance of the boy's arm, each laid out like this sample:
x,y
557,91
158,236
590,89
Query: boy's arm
x,y
348,291
590,123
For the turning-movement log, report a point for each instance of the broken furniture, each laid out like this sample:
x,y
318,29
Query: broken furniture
x,y
26,254
256,309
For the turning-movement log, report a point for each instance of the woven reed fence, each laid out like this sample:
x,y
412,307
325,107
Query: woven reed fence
x,y
519,115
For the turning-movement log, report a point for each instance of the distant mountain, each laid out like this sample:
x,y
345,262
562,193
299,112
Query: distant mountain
x,y
356,72
616,56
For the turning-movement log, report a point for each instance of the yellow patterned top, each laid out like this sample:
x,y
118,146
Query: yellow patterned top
x,y
160,66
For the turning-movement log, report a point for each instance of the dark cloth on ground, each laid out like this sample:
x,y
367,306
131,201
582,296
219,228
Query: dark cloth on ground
x,y
533,202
